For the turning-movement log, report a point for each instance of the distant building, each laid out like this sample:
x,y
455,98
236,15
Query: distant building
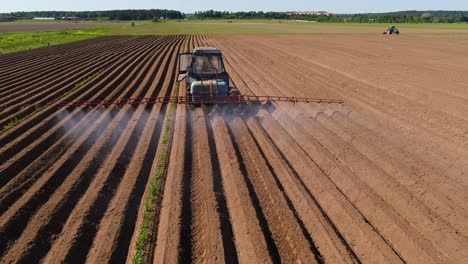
x,y
310,13
305,21
44,18
71,18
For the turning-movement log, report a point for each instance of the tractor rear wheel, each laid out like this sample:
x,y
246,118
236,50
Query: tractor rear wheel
x,y
234,92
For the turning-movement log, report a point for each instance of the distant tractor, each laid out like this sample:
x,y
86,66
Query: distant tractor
x,y
206,79
391,30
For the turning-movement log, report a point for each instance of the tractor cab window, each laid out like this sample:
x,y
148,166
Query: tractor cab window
x,y
207,64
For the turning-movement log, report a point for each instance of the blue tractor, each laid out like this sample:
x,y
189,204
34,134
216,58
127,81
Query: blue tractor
x,y
206,79
391,30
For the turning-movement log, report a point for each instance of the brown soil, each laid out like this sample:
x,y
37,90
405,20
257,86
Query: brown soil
x,y
378,180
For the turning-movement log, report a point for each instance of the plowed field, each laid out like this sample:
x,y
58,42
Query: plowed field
x,y
381,179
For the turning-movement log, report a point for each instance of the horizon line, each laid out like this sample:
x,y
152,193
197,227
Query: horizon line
x,y
192,12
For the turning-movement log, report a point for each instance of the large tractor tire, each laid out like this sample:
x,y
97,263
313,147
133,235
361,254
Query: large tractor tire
x,y
234,92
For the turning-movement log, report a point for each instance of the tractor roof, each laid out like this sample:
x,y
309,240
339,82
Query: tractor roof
x,y
206,50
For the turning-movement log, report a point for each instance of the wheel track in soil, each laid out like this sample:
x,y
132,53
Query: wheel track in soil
x,y
205,225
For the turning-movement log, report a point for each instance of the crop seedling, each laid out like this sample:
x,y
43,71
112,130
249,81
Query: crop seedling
x,y
15,121
87,79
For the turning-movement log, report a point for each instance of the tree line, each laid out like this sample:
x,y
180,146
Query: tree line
x,y
155,14
393,17
142,14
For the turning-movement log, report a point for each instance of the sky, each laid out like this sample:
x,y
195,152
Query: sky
x,y
190,6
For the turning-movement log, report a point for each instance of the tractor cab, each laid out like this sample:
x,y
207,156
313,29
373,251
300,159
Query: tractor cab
x,y
204,74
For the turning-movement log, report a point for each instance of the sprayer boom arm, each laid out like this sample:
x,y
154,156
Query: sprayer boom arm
x,y
232,99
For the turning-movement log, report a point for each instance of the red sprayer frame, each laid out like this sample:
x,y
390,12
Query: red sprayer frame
x,y
232,99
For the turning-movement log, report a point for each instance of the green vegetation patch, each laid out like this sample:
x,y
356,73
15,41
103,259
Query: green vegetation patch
x,y
154,189
15,121
16,41
87,79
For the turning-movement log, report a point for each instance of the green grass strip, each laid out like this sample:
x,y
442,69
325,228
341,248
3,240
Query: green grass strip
x,y
154,190
17,41
154,185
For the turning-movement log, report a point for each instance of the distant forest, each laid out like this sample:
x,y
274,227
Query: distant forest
x,y
393,17
155,14
142,14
